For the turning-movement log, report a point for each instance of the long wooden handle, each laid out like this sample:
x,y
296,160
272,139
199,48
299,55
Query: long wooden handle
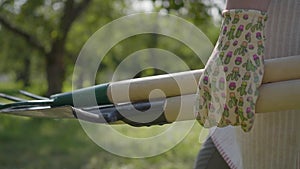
x,y
274,97
185,83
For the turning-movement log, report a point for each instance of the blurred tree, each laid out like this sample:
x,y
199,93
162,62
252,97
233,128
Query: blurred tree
x,y
48,35
53,19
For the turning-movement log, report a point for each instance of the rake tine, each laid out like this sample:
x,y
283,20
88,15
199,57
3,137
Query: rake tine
x,y
33,96
12,98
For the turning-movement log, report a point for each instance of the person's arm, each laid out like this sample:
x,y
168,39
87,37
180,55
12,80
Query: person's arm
x,y
261,5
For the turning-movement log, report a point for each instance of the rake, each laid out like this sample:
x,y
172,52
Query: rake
x,y
128,101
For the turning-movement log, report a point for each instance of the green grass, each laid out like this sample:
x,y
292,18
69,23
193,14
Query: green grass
x,y
27,143
35,143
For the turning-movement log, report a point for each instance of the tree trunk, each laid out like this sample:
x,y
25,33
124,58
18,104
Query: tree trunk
x,y
55,66
24,75
55,69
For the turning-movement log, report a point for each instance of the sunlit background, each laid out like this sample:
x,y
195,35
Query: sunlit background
x,y
40,41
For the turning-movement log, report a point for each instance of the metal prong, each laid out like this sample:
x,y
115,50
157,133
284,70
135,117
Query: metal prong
x,y
12,98
34,96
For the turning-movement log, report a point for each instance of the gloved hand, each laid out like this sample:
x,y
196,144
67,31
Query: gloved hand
x,y
228,88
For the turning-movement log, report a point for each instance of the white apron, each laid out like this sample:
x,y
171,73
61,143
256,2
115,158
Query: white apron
x,y
274,141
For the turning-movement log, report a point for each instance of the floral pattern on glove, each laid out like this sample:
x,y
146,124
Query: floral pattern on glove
x,y
228,88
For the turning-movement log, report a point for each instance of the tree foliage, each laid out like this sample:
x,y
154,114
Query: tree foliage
x,y
40,39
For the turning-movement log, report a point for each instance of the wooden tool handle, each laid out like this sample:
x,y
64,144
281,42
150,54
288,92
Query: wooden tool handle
x,y
274,97
185,83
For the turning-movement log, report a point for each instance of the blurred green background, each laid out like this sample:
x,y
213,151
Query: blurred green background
x,y
40,41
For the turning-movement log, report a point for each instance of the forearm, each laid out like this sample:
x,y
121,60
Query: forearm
x,y
261,5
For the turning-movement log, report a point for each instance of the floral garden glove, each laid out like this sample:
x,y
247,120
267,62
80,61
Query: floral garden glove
x,y
228,88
